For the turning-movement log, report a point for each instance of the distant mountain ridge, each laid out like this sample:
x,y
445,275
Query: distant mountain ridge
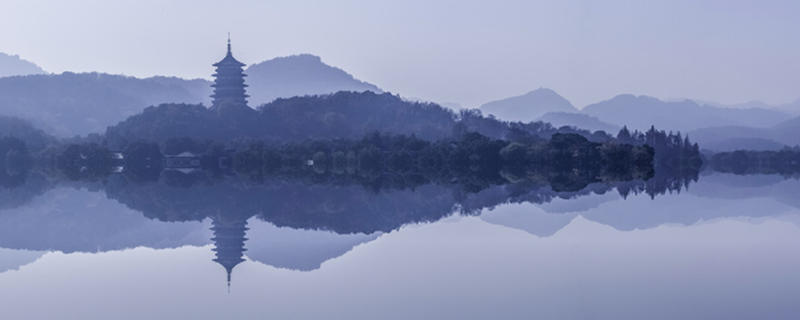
x,y
70,104
641,112
753,125
13,65
771,138
791,107
528,107
579,120
299,75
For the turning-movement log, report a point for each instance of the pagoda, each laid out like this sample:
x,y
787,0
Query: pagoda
x,y
229,239
229,86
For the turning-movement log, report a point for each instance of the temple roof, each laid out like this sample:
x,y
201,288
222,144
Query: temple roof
x,y
229,60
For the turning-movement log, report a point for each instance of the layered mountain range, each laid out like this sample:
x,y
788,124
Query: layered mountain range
x,y
70,104
715,127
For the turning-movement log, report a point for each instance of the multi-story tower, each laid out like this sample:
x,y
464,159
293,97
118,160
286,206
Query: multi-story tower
x,y
229,86
229,239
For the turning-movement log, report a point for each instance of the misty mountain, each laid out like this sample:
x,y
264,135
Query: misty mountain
x,y
726,136
34,138
791,107
71,104
741,143
578,120
298,75
641,112
16,66
729,138
528,107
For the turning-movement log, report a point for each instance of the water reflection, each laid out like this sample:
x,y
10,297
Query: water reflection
x,y
299,225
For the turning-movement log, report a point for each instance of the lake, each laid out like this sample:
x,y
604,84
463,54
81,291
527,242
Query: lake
x,y
726,247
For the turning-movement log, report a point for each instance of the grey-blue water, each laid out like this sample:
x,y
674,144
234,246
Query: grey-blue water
x,y
726,248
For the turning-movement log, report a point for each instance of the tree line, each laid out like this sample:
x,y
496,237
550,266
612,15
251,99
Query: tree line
x,y
472,160
785,162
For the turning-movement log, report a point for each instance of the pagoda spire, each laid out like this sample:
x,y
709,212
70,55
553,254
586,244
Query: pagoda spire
x,y
229,238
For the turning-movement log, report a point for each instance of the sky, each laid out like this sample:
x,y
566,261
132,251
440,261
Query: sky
x,y
466,52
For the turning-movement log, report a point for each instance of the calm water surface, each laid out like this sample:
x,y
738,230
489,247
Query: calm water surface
x,y
726,248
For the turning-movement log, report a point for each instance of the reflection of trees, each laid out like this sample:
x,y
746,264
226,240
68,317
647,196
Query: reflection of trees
x,y
338,202
23,190
785,162
351,205
14,162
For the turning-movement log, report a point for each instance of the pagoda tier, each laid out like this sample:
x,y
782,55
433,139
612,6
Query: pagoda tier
x,y
229,239
229,86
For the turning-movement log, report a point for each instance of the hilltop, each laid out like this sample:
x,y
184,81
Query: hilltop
x,y
13,65
528,107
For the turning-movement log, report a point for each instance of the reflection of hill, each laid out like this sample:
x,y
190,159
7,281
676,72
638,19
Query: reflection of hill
x,y
715,196
342,209
69,220
585,203
14,259
529,219
306,219
298,249
731,186
644,213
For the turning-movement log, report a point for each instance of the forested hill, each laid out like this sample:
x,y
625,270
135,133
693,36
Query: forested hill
x,y
34,138
299,75
70,104
344,115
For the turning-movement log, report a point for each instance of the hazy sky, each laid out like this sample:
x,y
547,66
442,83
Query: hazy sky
x,y
468,52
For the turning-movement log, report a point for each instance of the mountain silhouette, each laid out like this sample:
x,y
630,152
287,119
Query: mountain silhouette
x,y
69,104
728,138
578,120
528,107
298,75
641,112
741,143
13,65
791,107
34,138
